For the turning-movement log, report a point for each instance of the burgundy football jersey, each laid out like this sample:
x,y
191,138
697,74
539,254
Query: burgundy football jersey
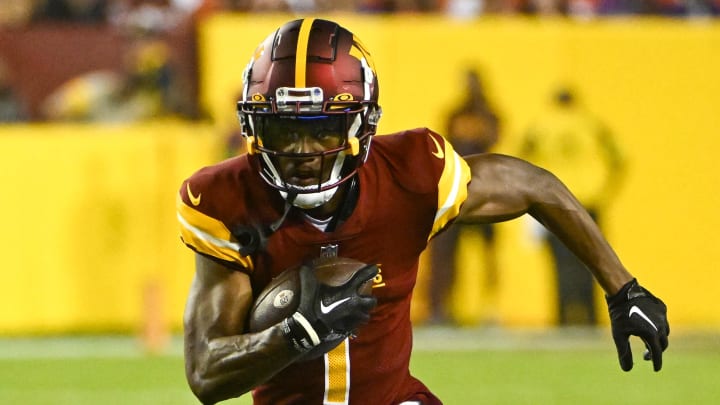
x,y
411,186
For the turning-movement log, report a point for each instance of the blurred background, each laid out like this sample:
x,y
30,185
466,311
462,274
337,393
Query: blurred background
x,y
107,105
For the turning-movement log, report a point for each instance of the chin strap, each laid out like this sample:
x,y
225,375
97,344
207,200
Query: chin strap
x,y
288,206
347,206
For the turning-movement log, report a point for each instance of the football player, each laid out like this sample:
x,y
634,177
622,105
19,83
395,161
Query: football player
x,y
317,182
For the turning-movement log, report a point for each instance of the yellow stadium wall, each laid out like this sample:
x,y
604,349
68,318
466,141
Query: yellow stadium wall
x,y
89,228
88,211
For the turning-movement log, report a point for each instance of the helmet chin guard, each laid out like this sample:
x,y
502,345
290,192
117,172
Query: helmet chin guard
x,y
311,200
309,197
310,70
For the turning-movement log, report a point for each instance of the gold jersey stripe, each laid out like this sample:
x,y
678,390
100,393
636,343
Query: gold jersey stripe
x,y
337,375
452,188
208,235
301,52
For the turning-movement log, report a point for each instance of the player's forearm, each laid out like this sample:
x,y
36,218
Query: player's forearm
x,y
505,187
562,214
228,367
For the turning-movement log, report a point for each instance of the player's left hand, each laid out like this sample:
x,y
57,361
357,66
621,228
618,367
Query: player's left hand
x,y
635,311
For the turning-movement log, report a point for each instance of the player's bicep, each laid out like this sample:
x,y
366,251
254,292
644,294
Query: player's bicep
x,y
502,188
218,302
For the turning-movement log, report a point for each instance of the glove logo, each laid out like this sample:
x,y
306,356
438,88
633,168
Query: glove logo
x,y
326,309
635,310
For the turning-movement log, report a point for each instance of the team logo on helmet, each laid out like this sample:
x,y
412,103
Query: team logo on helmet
x,y
343,97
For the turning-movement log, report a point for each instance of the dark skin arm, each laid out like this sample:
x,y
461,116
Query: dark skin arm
x,y
222,362
504,188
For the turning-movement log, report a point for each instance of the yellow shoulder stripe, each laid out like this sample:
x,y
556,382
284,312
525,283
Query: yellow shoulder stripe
x,y
452,188
208,235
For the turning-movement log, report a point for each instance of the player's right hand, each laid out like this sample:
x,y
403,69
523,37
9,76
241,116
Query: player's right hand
x,y
329,313
635,311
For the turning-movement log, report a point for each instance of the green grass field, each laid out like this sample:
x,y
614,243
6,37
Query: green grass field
x,y
461,366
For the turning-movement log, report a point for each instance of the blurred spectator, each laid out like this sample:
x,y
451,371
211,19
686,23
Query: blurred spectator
x,y
277,6
472,127
472,8
11,108
285,6
397,6
582,9
658,7
465,9
579,148
76,11
140,17
16,13
142,90
175,22
211,6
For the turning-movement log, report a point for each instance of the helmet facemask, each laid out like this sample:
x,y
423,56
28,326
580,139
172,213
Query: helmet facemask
x,y
309,109
308,147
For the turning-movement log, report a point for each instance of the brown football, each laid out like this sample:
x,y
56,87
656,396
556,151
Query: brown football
x,y
281,297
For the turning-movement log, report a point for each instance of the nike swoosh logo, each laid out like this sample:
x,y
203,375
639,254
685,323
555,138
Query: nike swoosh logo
x,y
439,152
326,309
194,200
635,310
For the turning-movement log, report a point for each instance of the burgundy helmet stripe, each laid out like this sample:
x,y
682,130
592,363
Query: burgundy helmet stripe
x,y
301,53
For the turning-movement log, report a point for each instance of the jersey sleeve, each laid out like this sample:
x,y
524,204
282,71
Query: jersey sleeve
x,y
425,163
452,185
203,233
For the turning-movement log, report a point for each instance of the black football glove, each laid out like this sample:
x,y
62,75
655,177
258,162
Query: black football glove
x,y
635,311
328,314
